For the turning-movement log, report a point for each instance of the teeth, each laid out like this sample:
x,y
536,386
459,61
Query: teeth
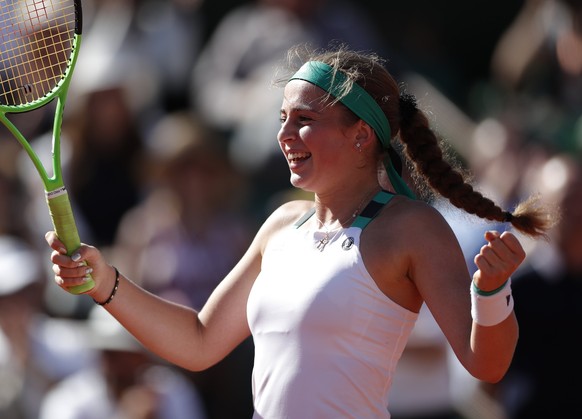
x,y
298,156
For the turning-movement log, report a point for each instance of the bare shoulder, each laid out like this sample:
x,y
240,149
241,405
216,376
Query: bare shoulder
x,y
407,239
418,228
289,212
413,216
282,217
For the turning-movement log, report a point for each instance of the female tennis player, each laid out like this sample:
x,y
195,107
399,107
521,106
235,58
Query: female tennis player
x,y
330,289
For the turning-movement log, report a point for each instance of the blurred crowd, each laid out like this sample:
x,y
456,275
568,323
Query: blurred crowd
x,y
171,162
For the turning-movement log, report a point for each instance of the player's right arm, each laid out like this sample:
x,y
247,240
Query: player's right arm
x,y
193,340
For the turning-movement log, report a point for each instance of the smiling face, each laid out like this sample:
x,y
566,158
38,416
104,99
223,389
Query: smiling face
x,y
318,140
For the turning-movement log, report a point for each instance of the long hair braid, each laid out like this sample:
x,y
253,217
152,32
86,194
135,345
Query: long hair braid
x,y
421,146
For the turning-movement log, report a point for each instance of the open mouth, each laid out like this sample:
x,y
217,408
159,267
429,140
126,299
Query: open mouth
x,y
297,157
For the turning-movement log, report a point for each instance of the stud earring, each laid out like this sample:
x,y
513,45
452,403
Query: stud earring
x,y
359,147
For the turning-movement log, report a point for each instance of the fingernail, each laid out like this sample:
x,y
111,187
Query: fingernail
x,y
62,251
88,271
76,257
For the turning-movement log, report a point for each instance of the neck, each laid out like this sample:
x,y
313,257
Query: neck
x,y
342,208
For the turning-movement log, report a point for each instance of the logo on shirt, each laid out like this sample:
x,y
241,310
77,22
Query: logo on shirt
x,y
348,243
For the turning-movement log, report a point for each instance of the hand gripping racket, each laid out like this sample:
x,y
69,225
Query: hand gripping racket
x,y
39,45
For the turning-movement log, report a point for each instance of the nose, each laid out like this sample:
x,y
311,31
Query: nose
x,y
285,132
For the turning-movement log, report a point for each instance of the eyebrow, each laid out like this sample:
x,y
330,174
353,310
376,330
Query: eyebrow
x,y
309,107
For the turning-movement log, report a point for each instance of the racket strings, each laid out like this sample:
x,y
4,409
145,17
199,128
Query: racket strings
x,y
35,49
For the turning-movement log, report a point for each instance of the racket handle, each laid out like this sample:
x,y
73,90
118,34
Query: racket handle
x,y
64,222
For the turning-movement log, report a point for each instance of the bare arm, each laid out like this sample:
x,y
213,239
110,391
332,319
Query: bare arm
x,y
441,276
179,334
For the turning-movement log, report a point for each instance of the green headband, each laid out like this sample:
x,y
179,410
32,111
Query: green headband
x,y
360,103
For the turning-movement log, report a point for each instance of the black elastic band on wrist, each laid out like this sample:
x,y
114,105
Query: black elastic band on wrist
x,y
113,291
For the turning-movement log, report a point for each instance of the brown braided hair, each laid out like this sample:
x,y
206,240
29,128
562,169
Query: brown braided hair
x,y
420,144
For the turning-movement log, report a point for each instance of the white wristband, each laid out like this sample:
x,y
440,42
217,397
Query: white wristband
x,y
489,309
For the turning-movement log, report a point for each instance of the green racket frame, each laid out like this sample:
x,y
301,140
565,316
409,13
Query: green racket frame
x,y
57,198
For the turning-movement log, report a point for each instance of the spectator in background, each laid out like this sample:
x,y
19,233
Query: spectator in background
x,y
537,73
36,352
153,44
20,297
166,38
189,213
544,377
22,380
106,144
191,220
126,382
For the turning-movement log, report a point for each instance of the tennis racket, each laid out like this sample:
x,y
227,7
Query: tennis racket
x,y
39,46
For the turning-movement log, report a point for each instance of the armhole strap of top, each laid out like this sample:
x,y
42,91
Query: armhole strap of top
x,y
304,218
372,209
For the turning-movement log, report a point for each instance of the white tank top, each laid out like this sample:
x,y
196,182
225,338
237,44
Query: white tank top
x,y
326,338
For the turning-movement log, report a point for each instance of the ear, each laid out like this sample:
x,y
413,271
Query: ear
x,y
365,135
364,140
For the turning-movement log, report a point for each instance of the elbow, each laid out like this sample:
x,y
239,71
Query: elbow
x,y
202,361
491,374
196,368
491,369
492,377
199,362
196,365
